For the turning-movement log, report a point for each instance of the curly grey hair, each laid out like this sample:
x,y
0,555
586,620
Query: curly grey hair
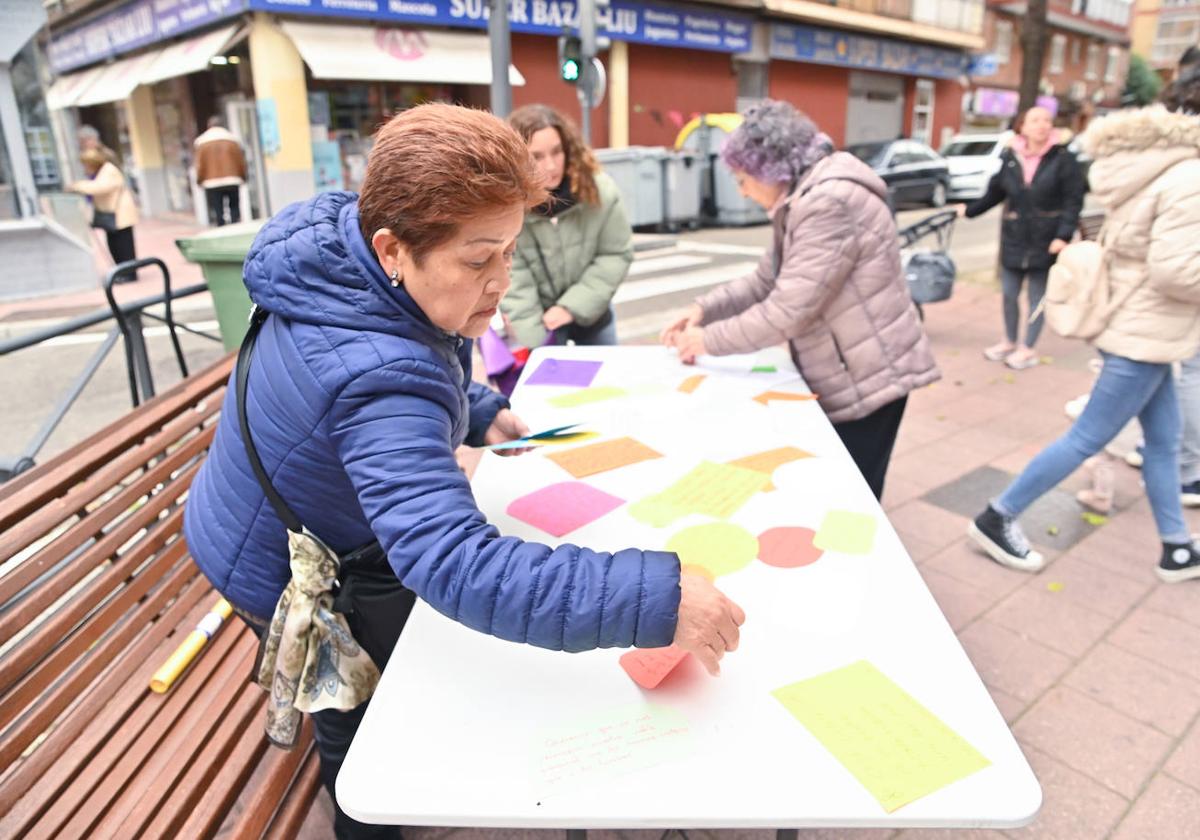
x,y
776,143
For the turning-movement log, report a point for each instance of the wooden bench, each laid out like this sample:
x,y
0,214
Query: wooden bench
x,y
97,589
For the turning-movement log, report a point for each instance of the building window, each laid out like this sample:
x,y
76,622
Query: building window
x,y
1093,62
922,126
1114,65
1002,41
1076,51
1058,53
1173,37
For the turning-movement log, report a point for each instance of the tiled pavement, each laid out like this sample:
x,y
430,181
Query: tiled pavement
x,y
1094,663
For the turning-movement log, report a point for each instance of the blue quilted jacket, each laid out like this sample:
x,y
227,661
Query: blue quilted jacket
x,y
357,403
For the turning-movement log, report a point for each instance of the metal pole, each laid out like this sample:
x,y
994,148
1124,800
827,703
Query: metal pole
x,y
14,138
501,57
587,51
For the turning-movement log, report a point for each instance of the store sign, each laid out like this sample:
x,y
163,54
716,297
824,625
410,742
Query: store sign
x,y
670,26
135,25
828,46
994,102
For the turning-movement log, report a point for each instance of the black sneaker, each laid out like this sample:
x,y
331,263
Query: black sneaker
x,y
1179,562
1004,541
1190,494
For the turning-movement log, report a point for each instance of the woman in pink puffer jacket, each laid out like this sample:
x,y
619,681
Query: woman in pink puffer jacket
x,y
831,285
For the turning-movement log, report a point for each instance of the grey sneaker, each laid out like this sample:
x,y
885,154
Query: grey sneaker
x,y
1004,541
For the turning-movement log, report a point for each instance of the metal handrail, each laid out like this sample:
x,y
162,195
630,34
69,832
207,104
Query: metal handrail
x,y
128,325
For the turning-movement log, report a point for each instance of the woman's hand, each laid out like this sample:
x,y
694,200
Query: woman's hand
x,y
708,622
557,316
692,318
1057,245
962,211
507,426
689,343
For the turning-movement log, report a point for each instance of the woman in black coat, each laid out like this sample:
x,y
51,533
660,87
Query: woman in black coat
x,y
1042,189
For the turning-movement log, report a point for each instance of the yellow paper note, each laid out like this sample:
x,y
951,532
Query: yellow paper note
x,y
846,532
717,547
586,395
767,462
715,490
601,457
892,744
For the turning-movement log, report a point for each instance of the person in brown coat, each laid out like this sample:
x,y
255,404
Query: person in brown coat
x,y
221,171
831,285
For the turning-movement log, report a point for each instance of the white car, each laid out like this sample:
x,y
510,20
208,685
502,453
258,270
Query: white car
x,y
973,160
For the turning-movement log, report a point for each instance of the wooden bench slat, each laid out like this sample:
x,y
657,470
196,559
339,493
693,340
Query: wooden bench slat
x,y
71,625
296,805
280,774
33,605
78,497
171,752
198,804
22,495
34,783
85,799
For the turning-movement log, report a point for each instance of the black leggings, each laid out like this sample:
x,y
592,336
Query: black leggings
x,y
120,244
870,441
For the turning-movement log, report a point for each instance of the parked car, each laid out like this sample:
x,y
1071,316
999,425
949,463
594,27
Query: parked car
x,y
913,172
973,159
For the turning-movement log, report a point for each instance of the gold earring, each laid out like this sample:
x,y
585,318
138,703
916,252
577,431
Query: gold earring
x,y
395,277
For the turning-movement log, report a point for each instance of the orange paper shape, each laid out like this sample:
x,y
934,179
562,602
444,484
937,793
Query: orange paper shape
x,y
690,384
600,457
649,666
788,548
783,396
769,461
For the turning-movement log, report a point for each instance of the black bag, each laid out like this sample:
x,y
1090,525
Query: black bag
x,y
930,276
105,220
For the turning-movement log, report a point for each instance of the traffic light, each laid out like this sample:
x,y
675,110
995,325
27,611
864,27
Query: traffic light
x,y
570,58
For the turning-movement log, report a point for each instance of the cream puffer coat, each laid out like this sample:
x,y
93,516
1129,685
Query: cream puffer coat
x,y
832,288
1147,175
110,194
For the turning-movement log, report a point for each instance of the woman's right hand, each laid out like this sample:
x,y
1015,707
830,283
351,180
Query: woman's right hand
x,y
693,318
708,621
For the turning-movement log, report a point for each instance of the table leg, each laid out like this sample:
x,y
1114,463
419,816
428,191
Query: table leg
x,y
787,833
576,834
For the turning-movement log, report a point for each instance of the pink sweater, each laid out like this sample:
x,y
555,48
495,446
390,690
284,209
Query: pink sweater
x,y
1031,160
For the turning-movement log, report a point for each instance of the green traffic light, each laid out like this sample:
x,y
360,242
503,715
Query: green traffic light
x,y
570,70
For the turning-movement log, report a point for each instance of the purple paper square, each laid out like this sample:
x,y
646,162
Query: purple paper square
x,y
570,372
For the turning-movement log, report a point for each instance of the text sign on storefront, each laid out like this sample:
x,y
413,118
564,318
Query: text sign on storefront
x,y
134,25
827,46
670,26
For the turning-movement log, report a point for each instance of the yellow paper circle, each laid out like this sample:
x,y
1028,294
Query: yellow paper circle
x,y
719,547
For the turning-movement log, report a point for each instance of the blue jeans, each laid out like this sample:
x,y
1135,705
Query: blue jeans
x,y
1125,389
1010,284
1189,402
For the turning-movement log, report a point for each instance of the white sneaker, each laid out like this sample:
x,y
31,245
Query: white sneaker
x,y
1074,407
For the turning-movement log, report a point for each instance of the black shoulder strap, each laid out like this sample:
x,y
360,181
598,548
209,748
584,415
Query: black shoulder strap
x,y
245,354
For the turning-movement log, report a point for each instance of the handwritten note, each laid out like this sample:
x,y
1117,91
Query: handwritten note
x,y
846,532
716,490
689,385
608,745
573,372
585,396
650,666
767,462
601,457
896,748
561,508
718,547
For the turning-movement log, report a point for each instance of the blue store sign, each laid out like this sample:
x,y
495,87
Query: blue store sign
x,y
828,46
145,22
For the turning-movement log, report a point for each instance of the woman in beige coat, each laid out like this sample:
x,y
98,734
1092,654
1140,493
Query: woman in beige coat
x,y
113,209
1146,172
831,285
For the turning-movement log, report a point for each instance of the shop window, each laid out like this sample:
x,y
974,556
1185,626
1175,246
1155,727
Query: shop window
x,y
923,112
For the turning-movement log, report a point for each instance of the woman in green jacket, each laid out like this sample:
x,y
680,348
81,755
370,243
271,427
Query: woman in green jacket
x,y
575,250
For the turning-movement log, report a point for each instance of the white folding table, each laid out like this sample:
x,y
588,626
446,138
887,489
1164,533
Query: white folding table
x,y
460,728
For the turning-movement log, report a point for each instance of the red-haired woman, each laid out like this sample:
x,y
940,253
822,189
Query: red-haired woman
x,y
358,393
575,249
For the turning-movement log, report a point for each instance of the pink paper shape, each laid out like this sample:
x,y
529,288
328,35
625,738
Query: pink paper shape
x,y
649,666
561,508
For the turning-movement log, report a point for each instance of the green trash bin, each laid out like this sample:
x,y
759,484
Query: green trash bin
x,y
220,253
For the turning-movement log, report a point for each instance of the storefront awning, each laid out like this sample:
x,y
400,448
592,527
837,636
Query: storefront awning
x,y
387,54
189,56
118,80
66,90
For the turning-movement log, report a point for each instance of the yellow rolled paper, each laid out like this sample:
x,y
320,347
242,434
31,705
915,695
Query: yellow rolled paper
x,y
178,662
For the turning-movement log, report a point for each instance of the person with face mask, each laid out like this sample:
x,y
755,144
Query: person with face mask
x,y
574,250
1042,188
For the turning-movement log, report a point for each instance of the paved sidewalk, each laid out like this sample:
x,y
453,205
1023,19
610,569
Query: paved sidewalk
x,y
1094,663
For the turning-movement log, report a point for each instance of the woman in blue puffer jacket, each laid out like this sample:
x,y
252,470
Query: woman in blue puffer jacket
x,y
359,393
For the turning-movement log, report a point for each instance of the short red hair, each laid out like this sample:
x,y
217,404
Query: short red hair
x,y
434,166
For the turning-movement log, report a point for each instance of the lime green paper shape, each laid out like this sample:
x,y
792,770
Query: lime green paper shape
x,y
586,395
846,532
716,490
896,748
